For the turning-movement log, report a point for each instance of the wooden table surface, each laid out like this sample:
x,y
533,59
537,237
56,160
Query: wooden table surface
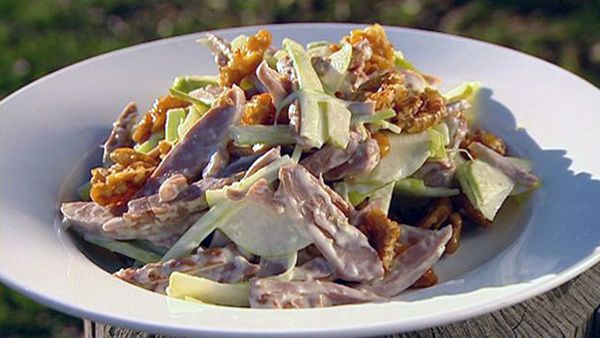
x,y
570,310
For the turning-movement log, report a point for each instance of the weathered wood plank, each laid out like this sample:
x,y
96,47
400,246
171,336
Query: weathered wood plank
x,y
570,310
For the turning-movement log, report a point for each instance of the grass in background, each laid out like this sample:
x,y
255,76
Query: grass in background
x,y
21,317
38,37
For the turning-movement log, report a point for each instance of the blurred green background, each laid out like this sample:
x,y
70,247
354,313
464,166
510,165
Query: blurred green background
x,y
38,37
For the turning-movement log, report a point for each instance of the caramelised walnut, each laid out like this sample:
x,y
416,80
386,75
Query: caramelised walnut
x,y
428,279
466,209
486,138
161,150
260,110
114,186
128,156
383,142
154,120
416,113
385,90
383,51
383,234
377,81
244,60
454,242
437,214
164,147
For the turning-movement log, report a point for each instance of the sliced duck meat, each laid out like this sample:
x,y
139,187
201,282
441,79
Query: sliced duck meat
x,y
209,93
247,165
358,108
276,294
437,173
285,67
120,134
364,159
218,264
277,85
155,214
457,129
331,77
239,165
345,248
172,187
265,159
218,161
167,241
164,242
315,269
220,48
353,80
361,53
122,229
192,154
458,107
508,168
85,217
219,239
419,250
330,157
274,266
257,86
358,157
322,65
260,192
309,253
294,116
346,207
169,238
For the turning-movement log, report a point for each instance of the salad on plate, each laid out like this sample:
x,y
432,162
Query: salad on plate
x,y
302,176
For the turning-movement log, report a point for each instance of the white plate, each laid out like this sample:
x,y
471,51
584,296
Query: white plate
x,y
48,126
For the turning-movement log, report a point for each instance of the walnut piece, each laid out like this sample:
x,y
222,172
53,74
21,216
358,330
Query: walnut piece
x,y
383,234
428,279
244,60
383,51
418,112
113,187
260,110
390,90
486,138
154,120
164,147
415,111
454,242
437,214
466,209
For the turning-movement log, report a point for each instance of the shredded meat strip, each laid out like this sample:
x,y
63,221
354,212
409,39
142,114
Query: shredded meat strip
x,y
120,134
345,248
218,264
276,294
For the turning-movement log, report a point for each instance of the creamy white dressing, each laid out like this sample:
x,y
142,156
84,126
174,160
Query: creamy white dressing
x,y
314,269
